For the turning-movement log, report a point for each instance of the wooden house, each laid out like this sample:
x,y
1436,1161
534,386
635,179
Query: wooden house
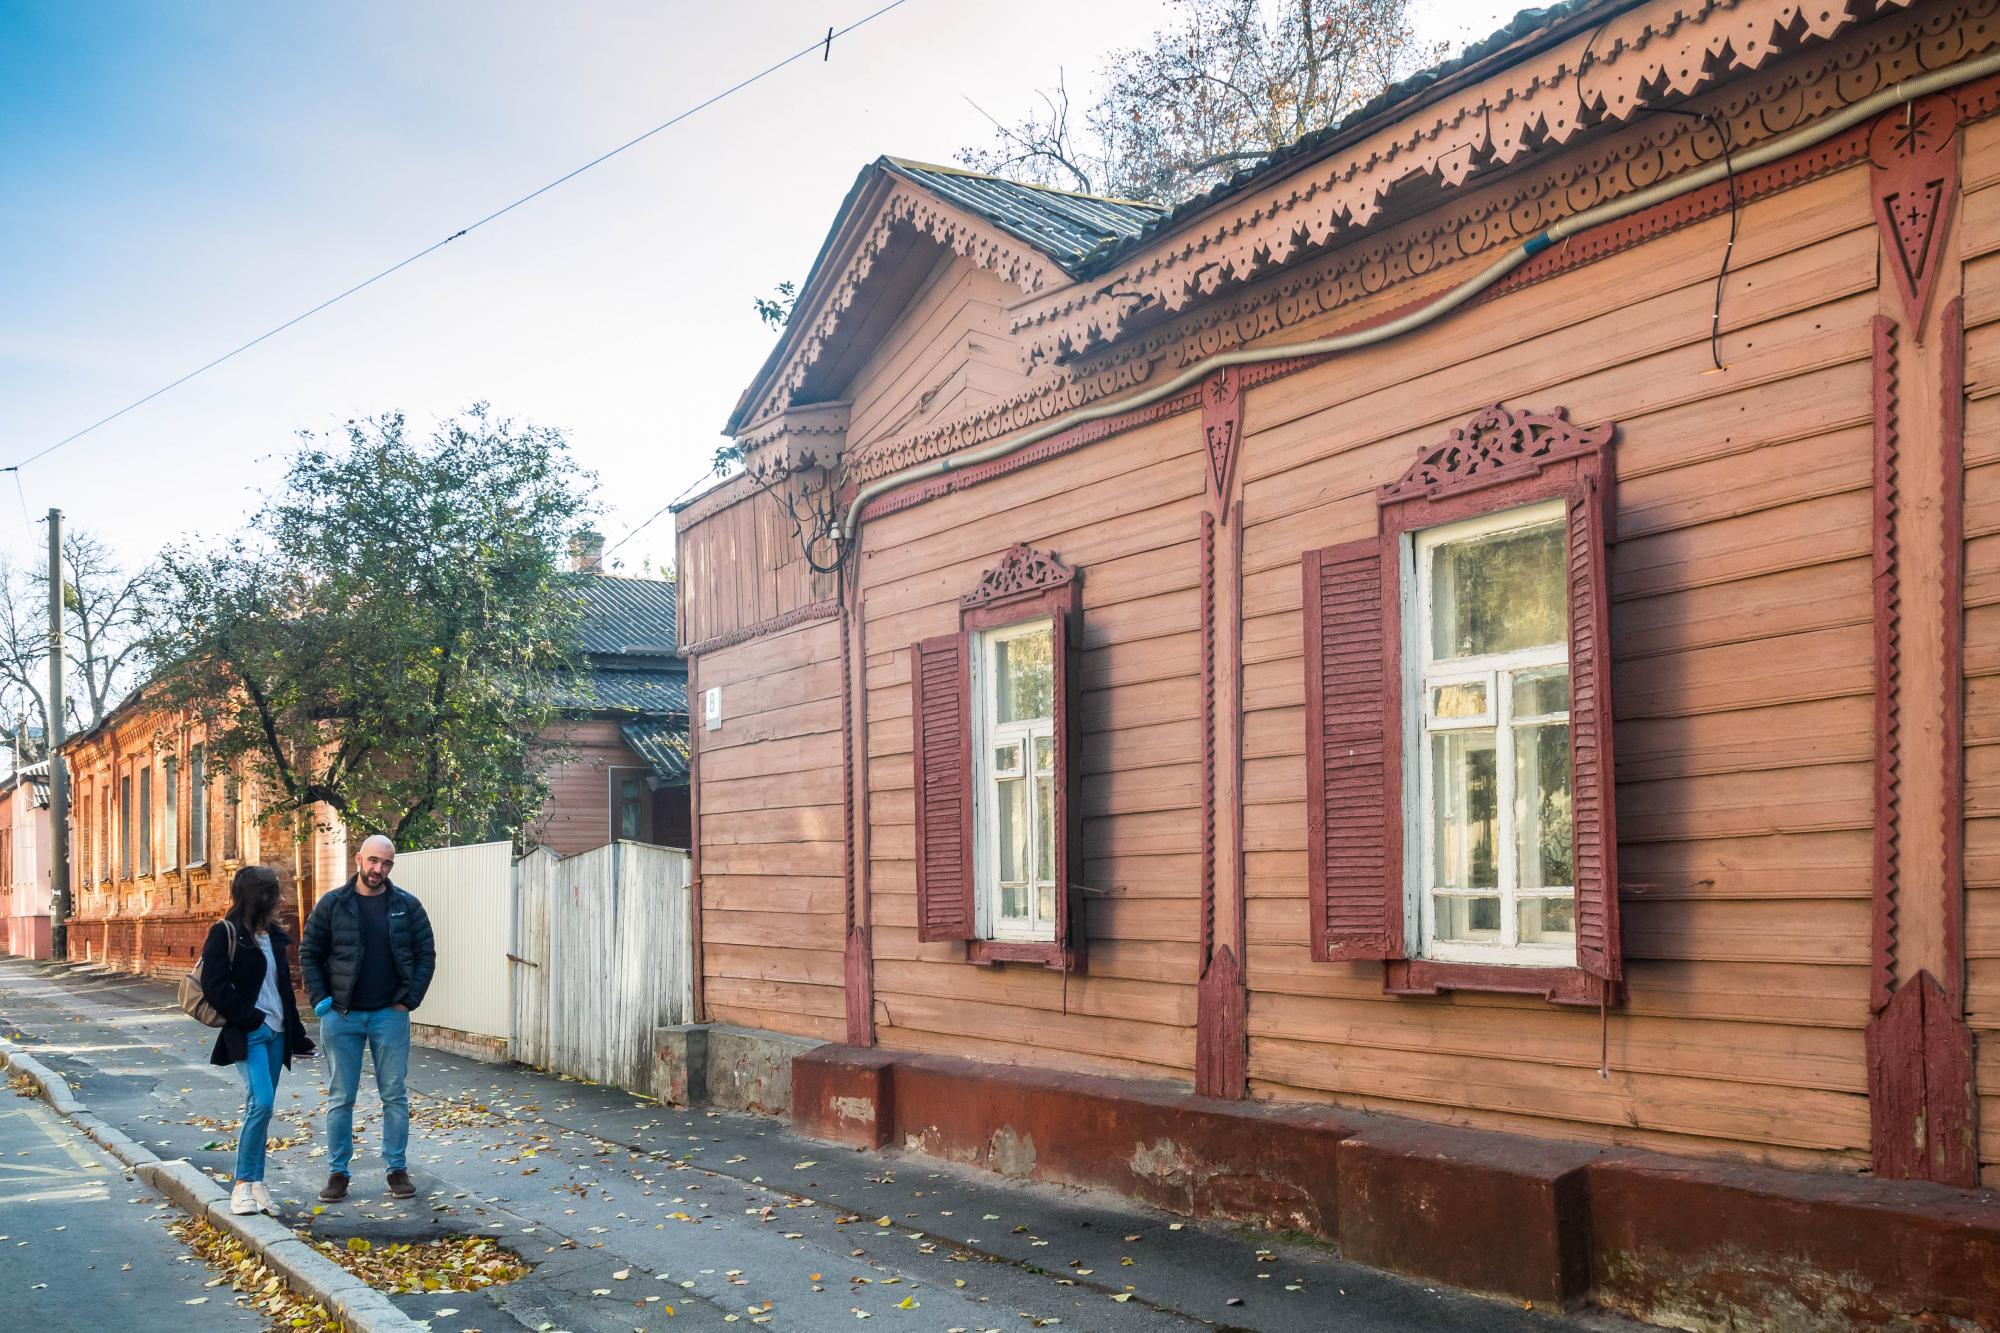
x,y
1405,634
620,767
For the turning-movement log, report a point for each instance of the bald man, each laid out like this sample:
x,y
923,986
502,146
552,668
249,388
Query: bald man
x,y
368,956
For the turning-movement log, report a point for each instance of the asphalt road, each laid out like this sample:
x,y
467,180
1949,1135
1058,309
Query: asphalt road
x,y
625,1207
84,1247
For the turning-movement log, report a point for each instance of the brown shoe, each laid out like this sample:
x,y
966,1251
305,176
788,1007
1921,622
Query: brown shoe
x,y
336,1188
401,1186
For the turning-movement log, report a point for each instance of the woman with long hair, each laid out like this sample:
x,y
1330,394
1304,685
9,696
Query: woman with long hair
x,y
246,975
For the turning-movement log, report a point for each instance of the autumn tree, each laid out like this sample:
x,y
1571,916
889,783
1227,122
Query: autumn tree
x,y
389,637
1224,84
102,603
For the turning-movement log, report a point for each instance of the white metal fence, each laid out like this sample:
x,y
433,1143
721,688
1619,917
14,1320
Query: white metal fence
x,y
467,892
575,960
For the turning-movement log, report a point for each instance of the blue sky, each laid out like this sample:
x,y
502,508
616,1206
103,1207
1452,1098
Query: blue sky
x,y
176,178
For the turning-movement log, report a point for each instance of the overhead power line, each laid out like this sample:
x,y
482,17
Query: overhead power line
x,y
823,45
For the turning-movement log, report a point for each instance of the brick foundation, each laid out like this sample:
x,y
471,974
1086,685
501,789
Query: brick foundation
x,y
1694,1244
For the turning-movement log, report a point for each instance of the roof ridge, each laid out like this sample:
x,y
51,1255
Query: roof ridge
x,y
913,164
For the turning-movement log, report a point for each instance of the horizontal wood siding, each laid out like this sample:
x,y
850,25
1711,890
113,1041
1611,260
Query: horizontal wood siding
x,y
772,900
947,356
1980,238
577,816
1126,512
1740,634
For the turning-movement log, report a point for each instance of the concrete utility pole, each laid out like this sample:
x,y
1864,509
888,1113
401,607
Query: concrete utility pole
x,y
58,775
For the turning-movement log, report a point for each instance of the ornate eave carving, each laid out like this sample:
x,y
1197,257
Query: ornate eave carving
x,y
814,435
1638,58
907,209
1022,570
1496,445
1480,220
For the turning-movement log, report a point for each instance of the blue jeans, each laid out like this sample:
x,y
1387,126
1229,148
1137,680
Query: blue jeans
x,y
386,1034
260,1067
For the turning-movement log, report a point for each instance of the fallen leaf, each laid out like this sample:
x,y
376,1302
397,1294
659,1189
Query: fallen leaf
x,y
1122,1297
622,1274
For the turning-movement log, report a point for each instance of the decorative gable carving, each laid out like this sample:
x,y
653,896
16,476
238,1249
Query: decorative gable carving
x,y
1222,430
1023,569
1496,445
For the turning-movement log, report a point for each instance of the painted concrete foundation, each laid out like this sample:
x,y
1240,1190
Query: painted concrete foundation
x,y
739,1069
1708,1245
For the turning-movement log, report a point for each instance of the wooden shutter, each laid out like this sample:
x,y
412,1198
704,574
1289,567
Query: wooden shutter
x,y
1072,928
1354,826
1592,804
941,704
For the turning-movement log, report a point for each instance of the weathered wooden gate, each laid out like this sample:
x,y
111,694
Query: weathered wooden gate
x,y
601,957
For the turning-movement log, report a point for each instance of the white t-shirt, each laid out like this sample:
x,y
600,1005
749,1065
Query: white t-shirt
x,y
269,1002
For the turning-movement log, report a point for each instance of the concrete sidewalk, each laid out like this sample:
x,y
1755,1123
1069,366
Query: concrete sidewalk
x,y
625,1206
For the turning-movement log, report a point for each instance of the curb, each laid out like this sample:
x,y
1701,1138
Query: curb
x,y
310,1274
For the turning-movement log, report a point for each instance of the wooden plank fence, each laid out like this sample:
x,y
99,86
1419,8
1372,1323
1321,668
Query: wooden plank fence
x,y
593,953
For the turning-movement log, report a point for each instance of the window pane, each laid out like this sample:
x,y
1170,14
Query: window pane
x,y
1500,593
1045,829
1024,676
1013,832
1465,698
1465,793
1541,692
1045,754
1468,918
1548,921
1541,805
1007,758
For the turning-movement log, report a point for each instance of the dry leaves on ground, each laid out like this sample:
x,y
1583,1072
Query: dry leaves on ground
x,y
456,1263
247,1274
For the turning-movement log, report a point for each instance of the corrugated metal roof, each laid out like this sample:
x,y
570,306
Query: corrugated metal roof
x,y
628,617
664,747
604,690
1068,228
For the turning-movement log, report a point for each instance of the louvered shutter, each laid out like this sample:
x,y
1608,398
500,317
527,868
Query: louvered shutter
x,y
941,706
1592,804
1072,927
1353,770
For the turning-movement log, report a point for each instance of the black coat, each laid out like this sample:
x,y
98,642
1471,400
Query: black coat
x,y
232,988
330,954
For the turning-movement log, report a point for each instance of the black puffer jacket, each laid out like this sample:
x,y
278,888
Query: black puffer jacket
x,y
232,986
330,955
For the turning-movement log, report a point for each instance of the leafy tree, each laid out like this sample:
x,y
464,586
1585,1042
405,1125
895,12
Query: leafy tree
x,y
1225,83
776,308
387,640
102,605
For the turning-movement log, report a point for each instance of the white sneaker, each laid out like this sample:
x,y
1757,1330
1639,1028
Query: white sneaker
x,y
262,1198
241,1201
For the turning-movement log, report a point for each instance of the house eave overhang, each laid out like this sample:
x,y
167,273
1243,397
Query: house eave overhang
x,y
1494,114
883,207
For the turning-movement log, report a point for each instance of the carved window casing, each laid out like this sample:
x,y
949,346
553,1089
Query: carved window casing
x,y
1027,908
1392,714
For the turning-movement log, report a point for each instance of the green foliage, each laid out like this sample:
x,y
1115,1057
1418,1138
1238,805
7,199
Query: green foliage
x,y
775,309
388,636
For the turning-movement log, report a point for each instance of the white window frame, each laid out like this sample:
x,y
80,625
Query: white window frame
x,y
1419,676
170,812
986,735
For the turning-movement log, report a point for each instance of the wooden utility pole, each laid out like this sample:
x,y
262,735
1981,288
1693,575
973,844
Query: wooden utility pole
x,y
58,775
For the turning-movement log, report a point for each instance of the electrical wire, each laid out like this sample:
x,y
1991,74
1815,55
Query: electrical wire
x,y
597,565
820,44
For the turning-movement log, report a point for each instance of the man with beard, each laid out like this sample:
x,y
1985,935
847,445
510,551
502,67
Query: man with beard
x,y
368,955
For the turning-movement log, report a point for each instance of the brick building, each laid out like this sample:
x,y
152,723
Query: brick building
x,y
24,862
156,834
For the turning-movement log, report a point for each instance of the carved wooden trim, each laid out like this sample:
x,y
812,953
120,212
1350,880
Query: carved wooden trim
x,y
857,960
1635,59
1021,572
699,1002
798,615
1222,431
1923,1105
1495,447
1913,158
1207,739
1951,412
1558,985
1888,670
1796,93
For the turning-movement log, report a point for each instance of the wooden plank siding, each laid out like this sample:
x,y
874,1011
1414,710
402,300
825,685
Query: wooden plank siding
x,y
1743,681
772,902
1980,242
